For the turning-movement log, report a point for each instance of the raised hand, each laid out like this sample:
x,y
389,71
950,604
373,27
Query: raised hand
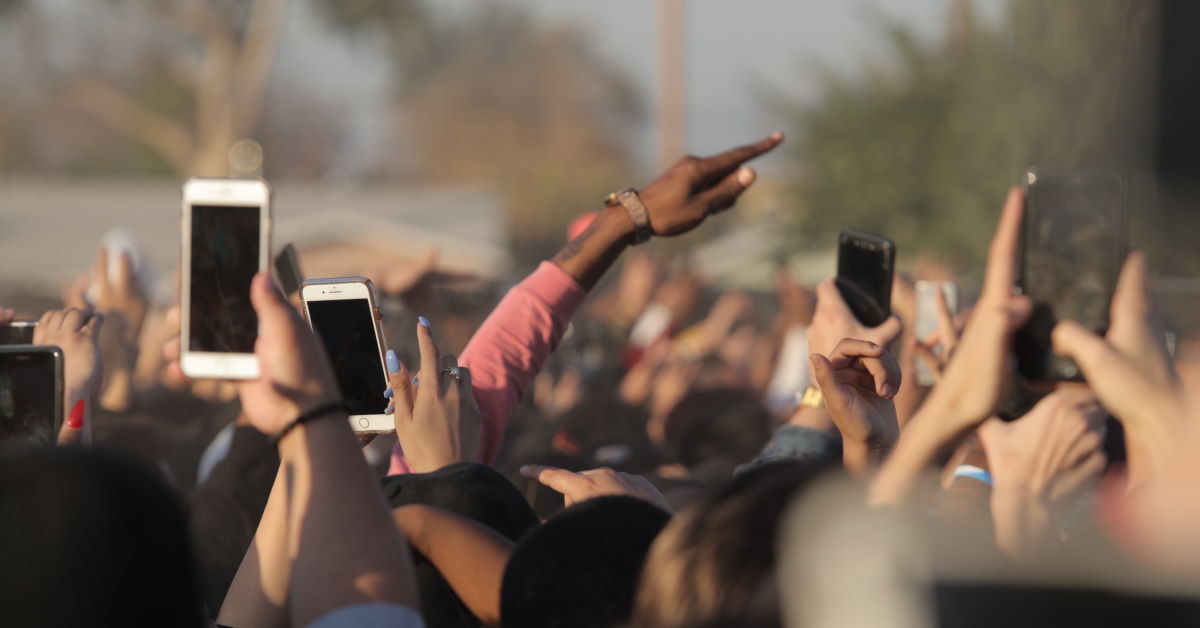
x,y
832,321
978,376
1129,369
77,333
438,422
676,202
698,187
1039,464
295,374
858,381
585,485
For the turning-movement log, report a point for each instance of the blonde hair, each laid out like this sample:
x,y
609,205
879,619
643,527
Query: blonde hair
x,y
716,560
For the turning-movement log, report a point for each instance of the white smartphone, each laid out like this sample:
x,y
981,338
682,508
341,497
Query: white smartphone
x,y
226,239
344,314
927,318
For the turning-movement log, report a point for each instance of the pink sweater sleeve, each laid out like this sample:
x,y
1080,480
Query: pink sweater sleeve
x,y
510,348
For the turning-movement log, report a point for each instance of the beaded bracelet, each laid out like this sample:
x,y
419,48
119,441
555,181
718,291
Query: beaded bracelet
x,y
316,413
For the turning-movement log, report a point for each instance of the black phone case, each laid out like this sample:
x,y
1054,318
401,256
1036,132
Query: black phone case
x,y
1036,360
871,310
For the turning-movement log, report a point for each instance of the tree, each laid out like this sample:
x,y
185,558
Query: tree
x,y
922,146
494,97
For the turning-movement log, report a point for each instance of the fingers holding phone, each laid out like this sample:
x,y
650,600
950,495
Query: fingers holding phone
x,y
833,320
442,424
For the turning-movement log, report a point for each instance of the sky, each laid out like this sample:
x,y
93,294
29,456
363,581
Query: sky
x,y
738,49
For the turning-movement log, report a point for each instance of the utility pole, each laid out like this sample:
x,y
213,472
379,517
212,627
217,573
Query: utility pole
x,y
670,115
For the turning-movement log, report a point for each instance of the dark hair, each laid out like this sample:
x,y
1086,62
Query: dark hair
x,y
716,560
716,430
580,569
92,539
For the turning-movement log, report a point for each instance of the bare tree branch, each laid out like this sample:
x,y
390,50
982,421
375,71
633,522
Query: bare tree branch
x,y
166,136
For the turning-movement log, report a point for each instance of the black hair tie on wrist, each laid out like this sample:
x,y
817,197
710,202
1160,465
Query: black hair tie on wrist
x,y
315,413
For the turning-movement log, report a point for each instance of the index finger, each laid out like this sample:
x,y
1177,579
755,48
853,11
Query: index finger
x,y
722,164
558,479
1002,253
849,348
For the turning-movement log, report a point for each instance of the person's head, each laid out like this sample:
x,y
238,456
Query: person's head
x,y
91,539
711,432
580,569
716,560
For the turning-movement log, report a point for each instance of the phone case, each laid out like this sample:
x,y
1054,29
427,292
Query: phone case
x,y
871,307
1070,258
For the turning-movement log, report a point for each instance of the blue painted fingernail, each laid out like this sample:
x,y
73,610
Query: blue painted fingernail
x,y
387,394
389,410
424,321
393,362
416,381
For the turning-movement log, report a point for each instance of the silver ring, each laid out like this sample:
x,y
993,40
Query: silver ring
x,y
453,371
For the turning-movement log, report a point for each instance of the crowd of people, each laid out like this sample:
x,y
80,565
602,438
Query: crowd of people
x,y
658,454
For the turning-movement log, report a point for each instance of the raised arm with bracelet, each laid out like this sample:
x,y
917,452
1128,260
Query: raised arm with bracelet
x,y
513,343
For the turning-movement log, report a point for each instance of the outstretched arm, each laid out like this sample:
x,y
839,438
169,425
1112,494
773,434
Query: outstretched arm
x,y
513,343
470,556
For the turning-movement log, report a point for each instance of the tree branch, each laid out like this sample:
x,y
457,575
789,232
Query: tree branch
x,y
166,136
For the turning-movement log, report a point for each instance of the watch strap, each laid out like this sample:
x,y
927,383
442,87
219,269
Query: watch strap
x,y
629,199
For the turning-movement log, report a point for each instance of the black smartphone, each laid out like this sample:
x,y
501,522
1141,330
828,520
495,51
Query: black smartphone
x,y
1072,248
31,393
17,333
865,265
287,270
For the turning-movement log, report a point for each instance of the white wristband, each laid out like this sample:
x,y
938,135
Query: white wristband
x,y
973,472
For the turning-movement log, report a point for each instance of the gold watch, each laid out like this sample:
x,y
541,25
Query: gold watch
x,y
629,199
812,398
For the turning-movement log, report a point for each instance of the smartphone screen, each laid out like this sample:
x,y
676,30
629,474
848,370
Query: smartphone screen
x,y
1072,249
30,393
927,318
347,329
864,275
225,242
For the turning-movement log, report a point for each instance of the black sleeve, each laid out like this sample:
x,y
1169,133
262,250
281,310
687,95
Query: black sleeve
x,y
226,509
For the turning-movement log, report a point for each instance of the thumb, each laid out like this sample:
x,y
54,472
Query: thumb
x,y
275,313
723,194
823,373
991,430
887,332
1089,351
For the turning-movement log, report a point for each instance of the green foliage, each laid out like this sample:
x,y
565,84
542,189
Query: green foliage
x,y
923,145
